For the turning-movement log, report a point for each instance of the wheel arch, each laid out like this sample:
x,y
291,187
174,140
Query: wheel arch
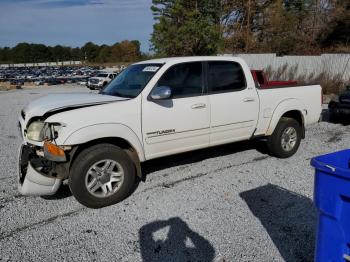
x,y
115,134
292,109
117,141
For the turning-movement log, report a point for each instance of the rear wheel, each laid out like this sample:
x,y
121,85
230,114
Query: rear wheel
x,y
285,140
102,175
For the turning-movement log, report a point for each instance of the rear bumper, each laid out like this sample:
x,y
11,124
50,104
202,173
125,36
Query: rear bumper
x,y
31,181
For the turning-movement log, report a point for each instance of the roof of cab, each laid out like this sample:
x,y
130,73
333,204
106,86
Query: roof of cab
x,y
174,60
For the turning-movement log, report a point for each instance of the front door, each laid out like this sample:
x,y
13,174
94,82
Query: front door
x,y
180,123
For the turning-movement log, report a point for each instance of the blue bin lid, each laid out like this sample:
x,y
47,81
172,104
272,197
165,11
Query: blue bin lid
x,y
336,163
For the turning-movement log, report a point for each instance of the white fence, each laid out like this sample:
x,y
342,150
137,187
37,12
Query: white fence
x,y
334,64
61,63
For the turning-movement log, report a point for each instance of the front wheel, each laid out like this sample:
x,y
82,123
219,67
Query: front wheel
x,y
285,140
102,175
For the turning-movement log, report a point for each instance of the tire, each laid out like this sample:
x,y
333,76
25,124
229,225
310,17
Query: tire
x,y
277,143
90,168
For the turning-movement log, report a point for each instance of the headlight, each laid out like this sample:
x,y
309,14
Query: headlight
x,y
36,131
40,131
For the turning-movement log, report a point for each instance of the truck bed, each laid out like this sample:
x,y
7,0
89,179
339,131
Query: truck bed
x,y
302,97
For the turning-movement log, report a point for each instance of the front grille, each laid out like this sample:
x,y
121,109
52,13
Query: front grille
x,y
94,81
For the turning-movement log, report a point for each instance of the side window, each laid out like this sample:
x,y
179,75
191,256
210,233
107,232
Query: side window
x,y
225,77
184,80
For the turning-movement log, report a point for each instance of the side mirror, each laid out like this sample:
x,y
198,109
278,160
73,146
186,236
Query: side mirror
x,y
161,92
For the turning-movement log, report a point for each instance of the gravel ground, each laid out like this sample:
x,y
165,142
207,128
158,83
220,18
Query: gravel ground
x,y
228,203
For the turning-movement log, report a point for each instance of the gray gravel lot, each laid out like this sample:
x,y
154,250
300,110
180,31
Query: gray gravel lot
x,y
231,202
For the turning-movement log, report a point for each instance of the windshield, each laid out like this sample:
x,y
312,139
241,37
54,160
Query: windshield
x,y
131,81
102,75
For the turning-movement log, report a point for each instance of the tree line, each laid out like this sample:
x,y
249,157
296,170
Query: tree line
x,y
204,27
207,27
125,51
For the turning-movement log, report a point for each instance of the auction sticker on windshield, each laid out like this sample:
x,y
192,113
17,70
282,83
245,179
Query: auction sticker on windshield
x,y
150,69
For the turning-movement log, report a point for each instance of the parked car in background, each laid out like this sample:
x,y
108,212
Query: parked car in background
x,y
48,74
100,80
262,80
153,109
340,107
39,82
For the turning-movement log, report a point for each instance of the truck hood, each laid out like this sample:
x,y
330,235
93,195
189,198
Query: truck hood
x,y
60,102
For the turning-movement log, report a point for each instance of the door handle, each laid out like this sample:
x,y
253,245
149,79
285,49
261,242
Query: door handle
x,y
248,99
198,106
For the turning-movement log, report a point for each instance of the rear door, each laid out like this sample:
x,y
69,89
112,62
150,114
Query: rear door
x,y
180,123
234,106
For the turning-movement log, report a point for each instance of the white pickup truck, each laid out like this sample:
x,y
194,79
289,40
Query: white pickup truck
x,y
152,109
100,80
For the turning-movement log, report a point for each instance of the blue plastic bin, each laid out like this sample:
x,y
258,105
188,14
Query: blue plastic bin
x,y
332,200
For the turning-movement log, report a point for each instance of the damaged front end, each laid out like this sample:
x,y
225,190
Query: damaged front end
x,y
44,160
41,170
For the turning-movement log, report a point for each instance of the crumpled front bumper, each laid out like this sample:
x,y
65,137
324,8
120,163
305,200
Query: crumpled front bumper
x,y
30,180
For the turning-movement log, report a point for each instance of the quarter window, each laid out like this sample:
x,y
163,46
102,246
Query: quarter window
x,y
184,80
225,77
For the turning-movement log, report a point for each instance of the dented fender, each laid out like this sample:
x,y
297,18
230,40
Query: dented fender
x,y
106,130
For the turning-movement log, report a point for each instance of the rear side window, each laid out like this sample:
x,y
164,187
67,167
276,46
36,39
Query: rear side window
x,y
185,80
225,77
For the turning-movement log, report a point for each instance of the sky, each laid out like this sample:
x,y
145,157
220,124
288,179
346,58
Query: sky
x,y
75,22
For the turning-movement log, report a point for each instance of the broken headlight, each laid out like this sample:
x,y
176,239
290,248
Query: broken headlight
x,y
36,131
40,131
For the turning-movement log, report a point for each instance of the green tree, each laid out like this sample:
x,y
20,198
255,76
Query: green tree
x,y
21,53
90,51
76,54
104,54
57,53
7,54
280,29
40,53
137,45
186,27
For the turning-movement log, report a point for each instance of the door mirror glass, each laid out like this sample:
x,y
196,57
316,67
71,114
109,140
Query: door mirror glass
x,y
161,92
